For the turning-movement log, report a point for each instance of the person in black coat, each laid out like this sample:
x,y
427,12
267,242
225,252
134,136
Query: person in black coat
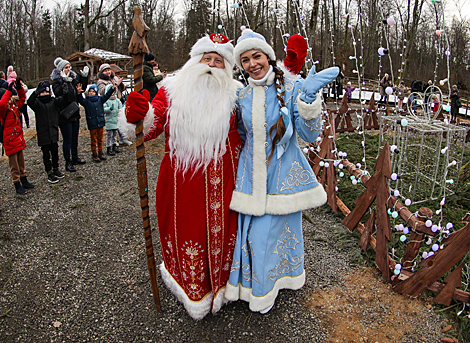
x,y
455,103
338,84
46,110
3,82
416,87
149,79
64,83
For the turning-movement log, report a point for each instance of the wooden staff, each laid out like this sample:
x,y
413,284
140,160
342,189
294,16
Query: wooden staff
x,y
138,48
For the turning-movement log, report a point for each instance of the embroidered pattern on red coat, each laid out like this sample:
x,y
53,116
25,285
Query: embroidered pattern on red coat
x,y
215,221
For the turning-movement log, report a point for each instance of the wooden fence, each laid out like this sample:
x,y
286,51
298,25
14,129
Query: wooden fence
x,y
377,232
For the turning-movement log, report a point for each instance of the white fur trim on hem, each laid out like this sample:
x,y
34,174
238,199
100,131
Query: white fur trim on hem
x,y
309,111
278,204
128,129
197,310
259,303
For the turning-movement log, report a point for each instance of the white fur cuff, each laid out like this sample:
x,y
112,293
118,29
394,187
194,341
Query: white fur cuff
x,y
309,111
128,129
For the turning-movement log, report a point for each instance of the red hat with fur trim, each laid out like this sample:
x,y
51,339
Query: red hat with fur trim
x,y
296,52
216,42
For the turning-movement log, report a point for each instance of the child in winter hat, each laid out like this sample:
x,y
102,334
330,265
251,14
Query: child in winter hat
x,y
111,110
46,110
95,117
11,75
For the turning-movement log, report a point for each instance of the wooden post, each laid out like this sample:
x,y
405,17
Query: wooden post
x,y
138,48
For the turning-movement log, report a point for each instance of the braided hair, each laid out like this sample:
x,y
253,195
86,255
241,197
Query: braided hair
x,y
279,125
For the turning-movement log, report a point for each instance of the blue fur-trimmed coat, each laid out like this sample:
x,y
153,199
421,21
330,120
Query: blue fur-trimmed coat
x,y
287,184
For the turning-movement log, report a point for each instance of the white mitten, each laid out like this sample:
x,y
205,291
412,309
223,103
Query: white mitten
x,y
84,72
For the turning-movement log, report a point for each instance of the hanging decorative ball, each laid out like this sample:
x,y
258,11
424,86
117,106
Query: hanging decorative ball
x,y
402,238
434,228
394,176
407,202
438,32
447,53
340,166
381,51
327,164
406,230
394,214
425,255
396,271
398,266
391,21
321,163
431,253
305,150
404,122
352,177
429,241
435,247
220,27
389,90
443,151
396,192
243,27
389,211
354,182
341,174
449,226
236,5
428,223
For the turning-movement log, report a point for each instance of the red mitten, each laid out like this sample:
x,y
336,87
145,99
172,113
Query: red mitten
x,y
296,49
137,106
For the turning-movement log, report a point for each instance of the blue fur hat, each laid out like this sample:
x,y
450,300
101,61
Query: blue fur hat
x,y
252,40
95,87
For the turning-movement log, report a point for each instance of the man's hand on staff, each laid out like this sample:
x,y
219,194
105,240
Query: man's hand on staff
x,y
137,106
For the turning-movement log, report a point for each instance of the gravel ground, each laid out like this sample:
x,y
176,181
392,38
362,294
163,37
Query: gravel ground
x,y
73,266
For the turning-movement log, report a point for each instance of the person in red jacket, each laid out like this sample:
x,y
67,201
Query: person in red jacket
x,y
13,140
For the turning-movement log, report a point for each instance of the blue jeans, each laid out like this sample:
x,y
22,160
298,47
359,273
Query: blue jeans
x,y
412,101
121,136
70,136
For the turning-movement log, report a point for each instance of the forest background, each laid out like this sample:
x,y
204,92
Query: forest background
x,y
340,32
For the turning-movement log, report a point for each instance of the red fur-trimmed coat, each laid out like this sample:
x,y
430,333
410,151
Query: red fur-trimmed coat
x,y
197,229
13,140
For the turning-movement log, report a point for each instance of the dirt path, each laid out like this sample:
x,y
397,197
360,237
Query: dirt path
x,y
73,269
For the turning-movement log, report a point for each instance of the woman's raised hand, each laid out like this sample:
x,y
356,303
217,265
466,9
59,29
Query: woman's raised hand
x,y
315,81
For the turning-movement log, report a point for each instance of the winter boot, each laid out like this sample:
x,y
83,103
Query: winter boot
x,y
69,166
58,174
126,142
95,157
77,160
19,188
101,156
115,149
51,178
109,151
26,184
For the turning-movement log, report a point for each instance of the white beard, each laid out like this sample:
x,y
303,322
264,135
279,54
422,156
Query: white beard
x,y
201,100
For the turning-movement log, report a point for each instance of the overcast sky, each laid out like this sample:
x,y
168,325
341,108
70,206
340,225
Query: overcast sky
x,y
452,7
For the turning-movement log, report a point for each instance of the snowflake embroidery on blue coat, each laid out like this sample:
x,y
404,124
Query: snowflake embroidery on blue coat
x,y
286,263
297,176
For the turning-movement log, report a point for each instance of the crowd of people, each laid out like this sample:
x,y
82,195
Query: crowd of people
x,y
233,181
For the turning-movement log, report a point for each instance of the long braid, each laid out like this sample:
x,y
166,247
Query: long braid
x,y
279,125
